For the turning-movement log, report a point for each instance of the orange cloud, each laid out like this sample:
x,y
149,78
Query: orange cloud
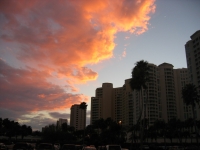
x,y
67,35
55,41
124,53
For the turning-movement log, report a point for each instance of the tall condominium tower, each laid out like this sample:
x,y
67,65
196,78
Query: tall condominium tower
x,y
161,100
127,104
163,97
192,50
181,79
77,117
61,121
167,91
117,103
102,105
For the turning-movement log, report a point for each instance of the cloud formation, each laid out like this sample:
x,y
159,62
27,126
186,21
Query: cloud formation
x,y
56,40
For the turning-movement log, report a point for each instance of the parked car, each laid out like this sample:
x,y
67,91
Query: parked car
x,y
45,146
79,147
145,147
9,145
68,147
22,146
89,148
3,146
101,147
113,147
57,146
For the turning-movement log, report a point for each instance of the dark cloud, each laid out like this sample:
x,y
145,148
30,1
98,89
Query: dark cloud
x,y
24,91
37,122
58,115
10,114
28,90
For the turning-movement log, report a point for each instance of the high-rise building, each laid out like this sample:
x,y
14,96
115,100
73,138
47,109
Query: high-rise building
x,y
77,117
127,104
184,112
192,50
61,121
167,91
161,100
102,103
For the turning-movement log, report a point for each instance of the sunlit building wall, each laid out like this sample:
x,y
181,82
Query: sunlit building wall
x,y
77,117
107,103
103,98
192,50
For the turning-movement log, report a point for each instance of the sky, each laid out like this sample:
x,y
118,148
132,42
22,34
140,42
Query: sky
x,y
54,54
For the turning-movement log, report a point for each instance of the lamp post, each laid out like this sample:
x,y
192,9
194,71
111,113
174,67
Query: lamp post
x,y
120,125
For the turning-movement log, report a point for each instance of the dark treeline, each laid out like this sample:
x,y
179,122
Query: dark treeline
x,y
14,129
107,131
110,132
101,132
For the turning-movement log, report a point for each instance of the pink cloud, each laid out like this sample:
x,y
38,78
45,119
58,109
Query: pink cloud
x,y
27,90
56,40
67,35
124,53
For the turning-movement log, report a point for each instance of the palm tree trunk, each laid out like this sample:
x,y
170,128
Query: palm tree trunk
x,y
195,125
141,125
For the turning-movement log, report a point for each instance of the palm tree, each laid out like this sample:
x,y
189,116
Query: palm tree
x,y
191,97
140,77
83,105
16,129
1,126
159,126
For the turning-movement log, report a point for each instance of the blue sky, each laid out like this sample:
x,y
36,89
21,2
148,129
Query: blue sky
x,y
170,27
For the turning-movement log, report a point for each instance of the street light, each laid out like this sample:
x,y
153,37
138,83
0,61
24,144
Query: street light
x,y
120,122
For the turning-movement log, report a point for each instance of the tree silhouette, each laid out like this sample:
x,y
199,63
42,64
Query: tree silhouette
x,y
138,82
191,97
83,105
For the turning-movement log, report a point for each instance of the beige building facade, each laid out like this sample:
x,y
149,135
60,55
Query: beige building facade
x,y
192,51
77,117
184,112
102,103
161,100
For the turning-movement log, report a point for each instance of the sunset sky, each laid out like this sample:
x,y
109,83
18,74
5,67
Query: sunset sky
x,y
55,53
